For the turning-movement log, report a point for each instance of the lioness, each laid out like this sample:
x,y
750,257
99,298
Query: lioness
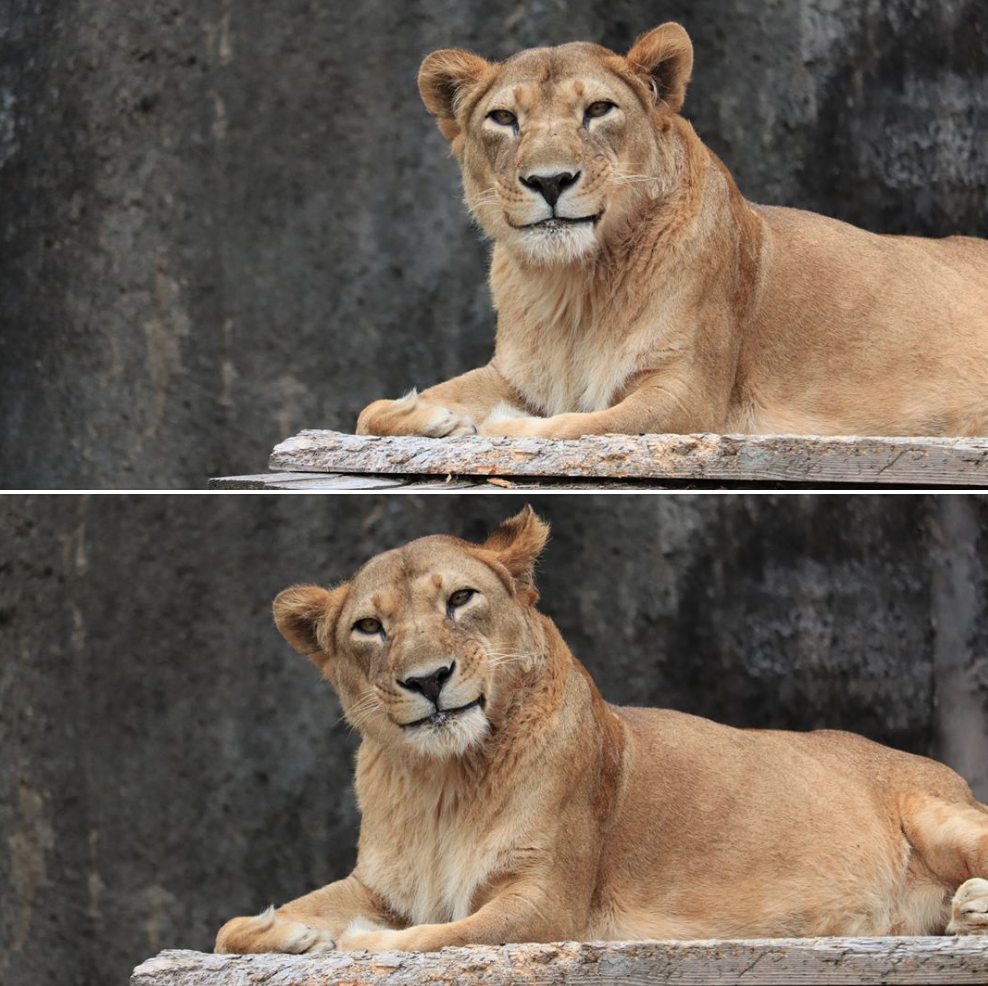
x,y
638,291
504,800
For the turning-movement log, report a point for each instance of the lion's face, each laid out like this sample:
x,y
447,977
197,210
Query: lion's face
x,y
557,146
427,644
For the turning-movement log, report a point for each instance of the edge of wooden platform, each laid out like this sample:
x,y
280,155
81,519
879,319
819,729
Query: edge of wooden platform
x,y
962,960
785,459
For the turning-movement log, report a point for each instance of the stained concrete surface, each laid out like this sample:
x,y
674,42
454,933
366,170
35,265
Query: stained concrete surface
x,y
166,761
223,222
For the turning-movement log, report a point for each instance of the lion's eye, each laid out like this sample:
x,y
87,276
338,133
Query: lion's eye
x,y
504,118
600,108
368,625
460,597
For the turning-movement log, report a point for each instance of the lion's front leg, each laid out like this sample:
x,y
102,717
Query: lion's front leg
x,y
312,923
507,422
523,913
658,404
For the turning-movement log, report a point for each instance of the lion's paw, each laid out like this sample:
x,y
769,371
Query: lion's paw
x,y
411,415
969,909
269,932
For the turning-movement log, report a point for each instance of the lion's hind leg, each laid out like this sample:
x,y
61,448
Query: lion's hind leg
x,y
270,932
952,840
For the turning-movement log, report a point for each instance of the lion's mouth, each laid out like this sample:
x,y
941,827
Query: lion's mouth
x,y
561,222
441,716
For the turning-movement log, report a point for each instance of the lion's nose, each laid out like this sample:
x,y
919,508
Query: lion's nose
x,y
431,684
551,186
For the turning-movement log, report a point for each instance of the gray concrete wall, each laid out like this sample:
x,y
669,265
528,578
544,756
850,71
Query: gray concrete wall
x,y
166,761
224,221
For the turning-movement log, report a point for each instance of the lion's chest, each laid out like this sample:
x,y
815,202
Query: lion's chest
x,y
430,867
579,361
568,372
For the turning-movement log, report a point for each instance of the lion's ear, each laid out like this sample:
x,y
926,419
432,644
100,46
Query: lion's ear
x,y
517,543
445,77
664,56
306,617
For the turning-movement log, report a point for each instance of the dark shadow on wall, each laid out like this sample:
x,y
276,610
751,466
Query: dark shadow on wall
x,y
902,132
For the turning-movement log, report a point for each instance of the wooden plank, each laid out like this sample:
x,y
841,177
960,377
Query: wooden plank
x,y
930,462
961,960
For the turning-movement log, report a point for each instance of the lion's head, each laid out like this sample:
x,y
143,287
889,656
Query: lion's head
x,y
558,145
427,644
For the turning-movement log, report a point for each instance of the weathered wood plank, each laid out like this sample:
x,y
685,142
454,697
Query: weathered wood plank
x,y
721,458
961,960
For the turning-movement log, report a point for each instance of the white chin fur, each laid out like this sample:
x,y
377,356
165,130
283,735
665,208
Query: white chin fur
x,y
453,738
552,247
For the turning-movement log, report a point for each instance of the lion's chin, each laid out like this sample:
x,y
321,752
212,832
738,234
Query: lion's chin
x,y
556,246
451,737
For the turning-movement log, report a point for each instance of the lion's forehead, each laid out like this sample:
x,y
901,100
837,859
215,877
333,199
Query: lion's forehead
x,y
545,64
547,74
423,569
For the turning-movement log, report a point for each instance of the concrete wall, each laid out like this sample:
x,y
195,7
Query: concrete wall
x,y
166,761
224,221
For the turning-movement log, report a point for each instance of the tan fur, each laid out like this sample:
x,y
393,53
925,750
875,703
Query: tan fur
x,y
683,308
549,814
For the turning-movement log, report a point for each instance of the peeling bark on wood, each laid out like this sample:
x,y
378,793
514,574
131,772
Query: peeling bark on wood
x,y
722,458
785,960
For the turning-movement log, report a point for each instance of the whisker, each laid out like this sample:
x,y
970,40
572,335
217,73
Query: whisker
x,y
365,719
626,178
364,707
497,659
488,195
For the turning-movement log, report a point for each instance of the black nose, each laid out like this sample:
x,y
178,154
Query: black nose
x,y
430,685
551,186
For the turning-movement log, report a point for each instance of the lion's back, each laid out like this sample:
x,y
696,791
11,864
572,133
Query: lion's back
x,y
701,752
856,332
